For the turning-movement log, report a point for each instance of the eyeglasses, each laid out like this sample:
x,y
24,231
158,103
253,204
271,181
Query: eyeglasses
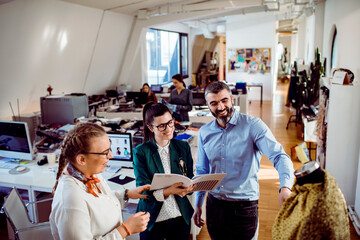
x,y
101,153
162,127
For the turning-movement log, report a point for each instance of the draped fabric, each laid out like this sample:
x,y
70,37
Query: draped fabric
x,y
313,211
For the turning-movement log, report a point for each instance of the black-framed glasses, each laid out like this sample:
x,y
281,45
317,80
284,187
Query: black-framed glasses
x,y
101,153
162,127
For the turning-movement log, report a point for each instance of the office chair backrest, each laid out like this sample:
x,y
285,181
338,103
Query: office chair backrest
x,y
16,212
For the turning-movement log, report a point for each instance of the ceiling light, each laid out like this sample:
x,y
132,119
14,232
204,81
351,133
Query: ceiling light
x,y
301,2
142,14
272,5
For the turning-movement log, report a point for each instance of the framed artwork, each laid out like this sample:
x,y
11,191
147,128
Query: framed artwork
x,y
251,60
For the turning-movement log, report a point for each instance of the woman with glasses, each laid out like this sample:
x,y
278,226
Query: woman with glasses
x,y
169,208
84,206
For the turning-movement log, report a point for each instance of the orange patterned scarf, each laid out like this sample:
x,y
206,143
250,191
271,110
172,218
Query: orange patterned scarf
x,y
89,182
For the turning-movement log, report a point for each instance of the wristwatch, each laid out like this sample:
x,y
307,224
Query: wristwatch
x,y
125,195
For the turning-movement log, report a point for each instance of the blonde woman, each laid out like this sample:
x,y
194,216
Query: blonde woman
x,y
84,206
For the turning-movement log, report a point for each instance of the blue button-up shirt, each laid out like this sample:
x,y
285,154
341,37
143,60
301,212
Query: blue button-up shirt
x,y
236,151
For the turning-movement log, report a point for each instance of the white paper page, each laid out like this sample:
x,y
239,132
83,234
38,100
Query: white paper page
x,y
207,182
161,180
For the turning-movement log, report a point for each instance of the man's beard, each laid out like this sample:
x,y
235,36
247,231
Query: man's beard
x,y
224,119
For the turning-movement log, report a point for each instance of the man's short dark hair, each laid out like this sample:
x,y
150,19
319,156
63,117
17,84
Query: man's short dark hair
x,y
216,87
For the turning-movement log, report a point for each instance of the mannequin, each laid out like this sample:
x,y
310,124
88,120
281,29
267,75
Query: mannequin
x,y
310,172
316,208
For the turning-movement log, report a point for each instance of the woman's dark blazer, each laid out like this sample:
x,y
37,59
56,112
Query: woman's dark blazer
x,y
147,162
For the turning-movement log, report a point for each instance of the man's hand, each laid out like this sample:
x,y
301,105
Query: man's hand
x,y
197,217
137,192
284,194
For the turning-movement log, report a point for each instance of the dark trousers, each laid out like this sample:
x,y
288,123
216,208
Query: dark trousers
x,y
172,229
231,219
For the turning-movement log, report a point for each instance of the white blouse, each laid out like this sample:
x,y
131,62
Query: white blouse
x,y
77,214
169,209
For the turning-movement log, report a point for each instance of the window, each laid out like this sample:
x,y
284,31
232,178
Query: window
x,y
167,55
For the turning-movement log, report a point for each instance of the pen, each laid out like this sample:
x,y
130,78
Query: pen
x,y
117,170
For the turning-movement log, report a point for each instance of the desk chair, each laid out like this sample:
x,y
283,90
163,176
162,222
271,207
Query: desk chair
x,y
18,217
295,98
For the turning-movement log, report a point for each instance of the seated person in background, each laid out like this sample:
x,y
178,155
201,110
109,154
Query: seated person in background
x,y
170,210
84,206
182,98
151,95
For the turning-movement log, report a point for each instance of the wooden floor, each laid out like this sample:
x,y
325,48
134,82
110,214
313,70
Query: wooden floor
x,y
275,115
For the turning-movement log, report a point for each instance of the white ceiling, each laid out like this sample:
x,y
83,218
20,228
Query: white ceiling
x,y
211,12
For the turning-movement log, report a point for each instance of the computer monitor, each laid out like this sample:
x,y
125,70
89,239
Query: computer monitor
x,y
156,88
121,148
240,85
199,99
138,97
15,141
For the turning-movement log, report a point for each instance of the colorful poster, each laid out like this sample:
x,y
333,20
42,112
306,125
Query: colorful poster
x,y
251,60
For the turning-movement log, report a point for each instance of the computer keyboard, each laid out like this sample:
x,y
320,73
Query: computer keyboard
x,y
7,164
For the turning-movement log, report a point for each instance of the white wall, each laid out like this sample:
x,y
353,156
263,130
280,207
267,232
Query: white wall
x,y
253,31
71,47
346,16
309,36
310,40
294,48
301,39
108,52
319,25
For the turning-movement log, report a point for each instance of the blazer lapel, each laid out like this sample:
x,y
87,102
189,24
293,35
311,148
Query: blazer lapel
x,y
155,156
174,158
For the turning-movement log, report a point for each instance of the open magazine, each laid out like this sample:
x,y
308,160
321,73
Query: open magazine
x,y
207,182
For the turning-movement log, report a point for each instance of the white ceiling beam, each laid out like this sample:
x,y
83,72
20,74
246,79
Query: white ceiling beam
x,y
221,4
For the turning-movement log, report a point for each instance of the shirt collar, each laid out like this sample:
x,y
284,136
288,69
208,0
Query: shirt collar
x,y
234,117
165,148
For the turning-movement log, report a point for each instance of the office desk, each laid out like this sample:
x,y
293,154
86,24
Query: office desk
x,y
260,85
42,179
195,115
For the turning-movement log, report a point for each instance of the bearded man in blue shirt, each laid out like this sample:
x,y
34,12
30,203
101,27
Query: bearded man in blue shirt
x,y
233,143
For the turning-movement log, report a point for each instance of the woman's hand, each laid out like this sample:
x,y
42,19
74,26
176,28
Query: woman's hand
x,y
137,192
134,224
178,189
